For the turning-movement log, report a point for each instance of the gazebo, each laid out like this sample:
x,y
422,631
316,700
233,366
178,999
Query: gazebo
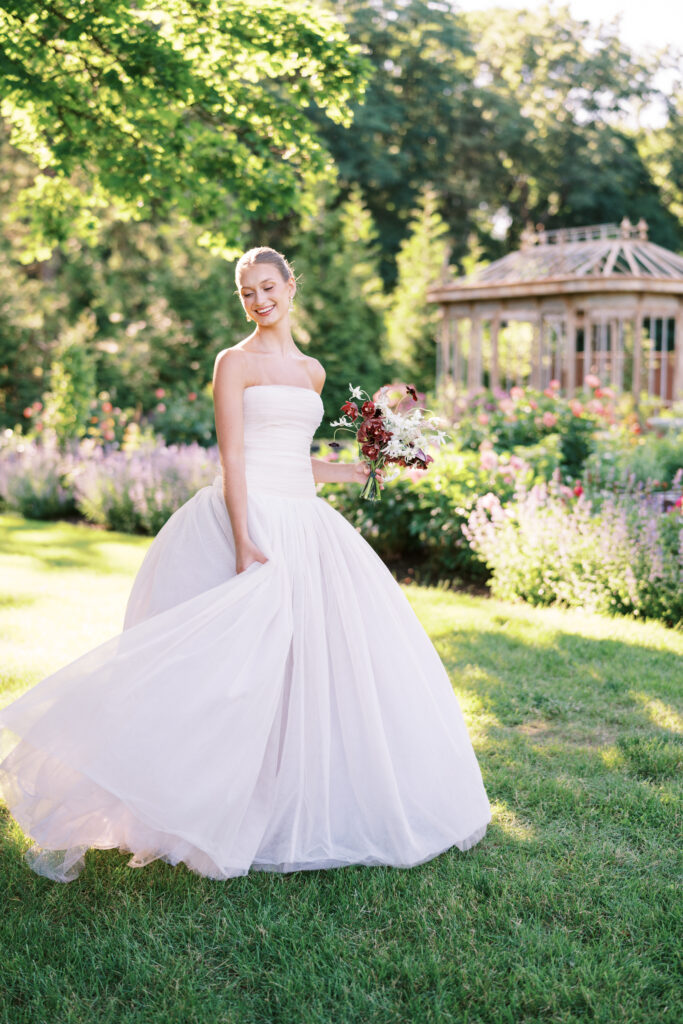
x,y
600,300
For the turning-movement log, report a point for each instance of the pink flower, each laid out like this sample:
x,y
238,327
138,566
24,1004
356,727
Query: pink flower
x,y
489,461
516,463
549,419
28,412
37,406
554,385
159,393
482,418
107,407
160,406
607,393
516,393
576,407
591,381
39,427
192,397
506,406
109,435
489,502
533,404
679,503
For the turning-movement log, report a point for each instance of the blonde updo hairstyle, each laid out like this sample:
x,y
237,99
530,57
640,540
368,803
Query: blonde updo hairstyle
x,y
263,254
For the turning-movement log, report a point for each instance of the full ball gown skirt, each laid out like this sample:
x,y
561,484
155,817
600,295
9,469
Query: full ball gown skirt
x,y
294,716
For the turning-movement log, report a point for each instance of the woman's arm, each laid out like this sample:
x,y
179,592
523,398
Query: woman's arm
x,y
228,389
342,472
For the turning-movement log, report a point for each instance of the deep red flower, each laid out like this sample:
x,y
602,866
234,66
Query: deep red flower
x,y
679,502
578,491
371,451
368,409
351,409
412,391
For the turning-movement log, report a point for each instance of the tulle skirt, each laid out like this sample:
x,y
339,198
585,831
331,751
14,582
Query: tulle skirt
x,y
294,716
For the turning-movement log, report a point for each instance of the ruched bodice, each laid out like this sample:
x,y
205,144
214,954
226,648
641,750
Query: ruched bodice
x,y
279,423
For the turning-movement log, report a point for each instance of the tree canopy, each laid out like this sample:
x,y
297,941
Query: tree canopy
x,y
192,107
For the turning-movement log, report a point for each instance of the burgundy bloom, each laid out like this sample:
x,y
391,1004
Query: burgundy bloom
x,y
412,391
371,451
363,431
368,409
351,409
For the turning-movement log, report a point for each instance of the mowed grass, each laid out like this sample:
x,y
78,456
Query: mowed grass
x,y
568,910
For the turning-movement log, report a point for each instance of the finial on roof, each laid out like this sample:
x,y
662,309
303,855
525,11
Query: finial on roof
x,y
626,228
642,229
527,237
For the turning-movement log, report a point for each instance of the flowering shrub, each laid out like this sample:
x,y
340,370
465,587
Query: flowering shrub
x,y
552,545
34,479
421,514
132,491
137,492
526,417
183,417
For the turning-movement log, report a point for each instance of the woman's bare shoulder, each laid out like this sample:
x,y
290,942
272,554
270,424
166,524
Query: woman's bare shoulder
x,y
316,371
231,361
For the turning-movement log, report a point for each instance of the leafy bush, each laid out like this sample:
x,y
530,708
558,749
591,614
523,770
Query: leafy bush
x,y
421,514
525,417
547,546
622,459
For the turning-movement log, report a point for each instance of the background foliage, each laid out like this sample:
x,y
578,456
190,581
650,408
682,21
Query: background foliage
x,y
441,128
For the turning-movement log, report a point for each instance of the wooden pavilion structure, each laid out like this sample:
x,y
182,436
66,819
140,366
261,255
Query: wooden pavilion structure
x,y
600,300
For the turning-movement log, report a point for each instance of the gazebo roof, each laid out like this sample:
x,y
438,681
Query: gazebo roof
x,y
605,257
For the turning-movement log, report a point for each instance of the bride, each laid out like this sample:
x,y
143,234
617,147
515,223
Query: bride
x,y
272,702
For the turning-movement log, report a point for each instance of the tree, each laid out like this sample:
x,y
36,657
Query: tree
x,y
574,85
72,381
424,119
412,321
193,107
340,301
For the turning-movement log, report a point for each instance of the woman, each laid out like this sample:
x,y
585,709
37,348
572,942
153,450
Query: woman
x,y
273,701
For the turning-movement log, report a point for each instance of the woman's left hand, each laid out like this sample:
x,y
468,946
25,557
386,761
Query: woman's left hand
x,y
360,471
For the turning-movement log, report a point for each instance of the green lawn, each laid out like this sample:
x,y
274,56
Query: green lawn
x,y
567,911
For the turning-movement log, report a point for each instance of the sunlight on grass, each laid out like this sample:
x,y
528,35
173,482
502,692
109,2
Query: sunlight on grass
x,y
566,911
511,824
659,713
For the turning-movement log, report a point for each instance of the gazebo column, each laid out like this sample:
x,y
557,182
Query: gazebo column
x,y
570,349
474,363
456,351
677,390
495,373
587,348
616,348
637,353
536,350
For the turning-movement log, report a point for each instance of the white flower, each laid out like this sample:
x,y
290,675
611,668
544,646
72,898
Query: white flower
x,y
343,422
355,392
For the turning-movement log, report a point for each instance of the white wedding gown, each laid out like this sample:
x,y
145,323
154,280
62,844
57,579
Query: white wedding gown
x,y
293,716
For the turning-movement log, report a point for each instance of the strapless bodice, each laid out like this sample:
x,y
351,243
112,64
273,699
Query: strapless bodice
x,y
279,423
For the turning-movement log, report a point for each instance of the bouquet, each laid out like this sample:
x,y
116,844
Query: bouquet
x,y
386,434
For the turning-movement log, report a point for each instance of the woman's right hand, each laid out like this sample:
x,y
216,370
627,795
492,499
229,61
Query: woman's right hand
x,y
246,554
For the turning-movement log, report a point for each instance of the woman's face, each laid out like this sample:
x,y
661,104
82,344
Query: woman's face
x,y
265,294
